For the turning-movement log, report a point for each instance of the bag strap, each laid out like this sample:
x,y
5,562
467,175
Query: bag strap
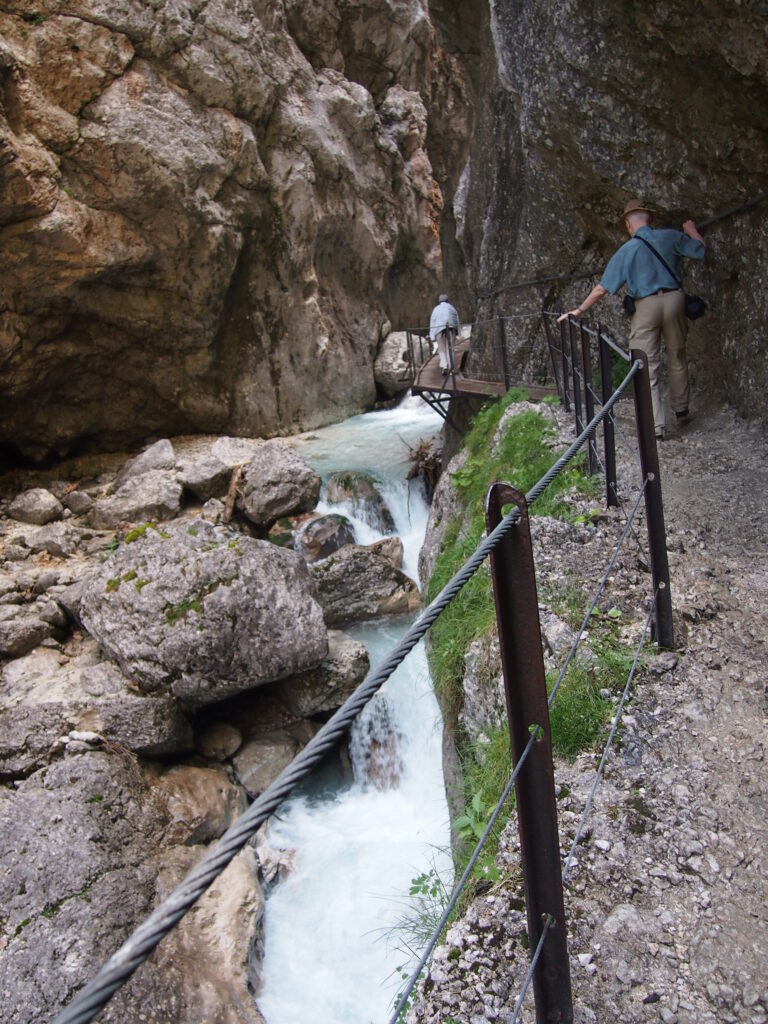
x,y
661,259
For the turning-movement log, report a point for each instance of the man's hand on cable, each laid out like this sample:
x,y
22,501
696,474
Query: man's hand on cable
x,y
571,312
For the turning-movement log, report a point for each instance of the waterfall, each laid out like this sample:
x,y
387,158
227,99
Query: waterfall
x,y
332,948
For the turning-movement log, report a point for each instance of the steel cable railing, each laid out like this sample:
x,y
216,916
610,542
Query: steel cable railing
x,y
139,946
404,996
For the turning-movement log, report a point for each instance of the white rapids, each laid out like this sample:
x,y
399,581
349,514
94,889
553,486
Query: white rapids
x,y
331,954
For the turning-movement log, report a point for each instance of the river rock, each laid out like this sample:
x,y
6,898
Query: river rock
x,y
218,741
328,686
46,695
36,506
159,455
390,370
276,482
21,629
151,496
78,502
324,535
375,745
206,477
201,612
357,583
360,492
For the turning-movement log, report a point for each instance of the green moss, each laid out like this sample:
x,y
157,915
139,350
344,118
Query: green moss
x,y
141,583
138,532
175,613
112,584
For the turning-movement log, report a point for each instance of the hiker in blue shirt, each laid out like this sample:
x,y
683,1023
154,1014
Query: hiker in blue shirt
x,y
659,300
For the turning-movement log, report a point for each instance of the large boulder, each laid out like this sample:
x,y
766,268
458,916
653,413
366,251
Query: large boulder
x,y
202,613
159,455
46,695
358,583
153,495
276,482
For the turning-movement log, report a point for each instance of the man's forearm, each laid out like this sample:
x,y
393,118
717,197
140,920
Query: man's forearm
x,y
594,296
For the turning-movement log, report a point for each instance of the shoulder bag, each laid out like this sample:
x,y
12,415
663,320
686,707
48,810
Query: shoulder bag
x,y
694,305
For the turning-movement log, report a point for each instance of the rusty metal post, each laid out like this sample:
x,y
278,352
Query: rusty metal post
x,y
550,345
654,506
517,615
589,398
564,361
504,359
609,439
575,375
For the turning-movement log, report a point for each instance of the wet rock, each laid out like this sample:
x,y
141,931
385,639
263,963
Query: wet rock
x,y
152,496
357,583
328,686
200,612
361,493
276,482
374,745
36,506
324,535
391,548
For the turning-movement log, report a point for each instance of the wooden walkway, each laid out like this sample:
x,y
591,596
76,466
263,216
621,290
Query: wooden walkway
x,y
430,382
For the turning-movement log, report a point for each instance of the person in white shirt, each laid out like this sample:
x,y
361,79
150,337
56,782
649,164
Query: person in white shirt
x,y
443,327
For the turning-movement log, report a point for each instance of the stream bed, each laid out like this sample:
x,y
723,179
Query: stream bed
x,y
332,946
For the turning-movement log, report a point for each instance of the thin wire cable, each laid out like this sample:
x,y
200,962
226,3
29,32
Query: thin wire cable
x,y
596,598
459,888
616,718
534,960
139,946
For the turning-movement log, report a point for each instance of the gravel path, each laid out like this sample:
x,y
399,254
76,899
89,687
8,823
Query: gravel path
x,y
667,903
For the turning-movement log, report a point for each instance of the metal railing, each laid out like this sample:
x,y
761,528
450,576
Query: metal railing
x,y
508,545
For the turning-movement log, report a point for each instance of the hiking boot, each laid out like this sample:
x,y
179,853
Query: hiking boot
x,y
683,417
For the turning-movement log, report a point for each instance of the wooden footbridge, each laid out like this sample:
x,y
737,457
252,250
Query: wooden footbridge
x,y
489,378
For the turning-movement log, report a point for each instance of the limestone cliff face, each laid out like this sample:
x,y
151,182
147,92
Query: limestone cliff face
x,y
585,105
208,209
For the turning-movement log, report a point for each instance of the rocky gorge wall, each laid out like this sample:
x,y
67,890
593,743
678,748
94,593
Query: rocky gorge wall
x,y
211,208
586,104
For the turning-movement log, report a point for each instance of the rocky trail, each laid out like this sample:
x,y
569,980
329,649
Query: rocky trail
x,y
666,901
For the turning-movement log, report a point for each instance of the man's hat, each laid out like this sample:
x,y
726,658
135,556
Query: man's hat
x,y
634,206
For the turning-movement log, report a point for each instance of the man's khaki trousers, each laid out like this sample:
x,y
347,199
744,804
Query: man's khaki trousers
x,y
657,316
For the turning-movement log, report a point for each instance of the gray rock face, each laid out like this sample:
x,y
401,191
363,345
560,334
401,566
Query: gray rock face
x,y
97,846
325,535
276,482
202,613
154,496
36,506
45,695
359,583
21,629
